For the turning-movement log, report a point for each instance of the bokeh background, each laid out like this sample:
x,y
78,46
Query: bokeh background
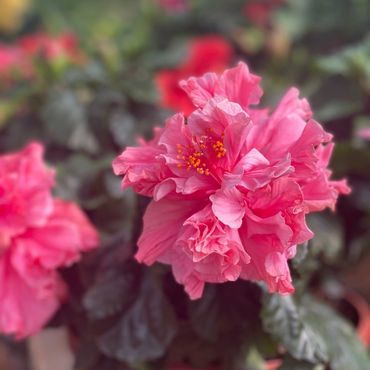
x,y
99,87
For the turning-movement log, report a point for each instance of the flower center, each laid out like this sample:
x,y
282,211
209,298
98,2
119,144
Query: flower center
x,y
201,155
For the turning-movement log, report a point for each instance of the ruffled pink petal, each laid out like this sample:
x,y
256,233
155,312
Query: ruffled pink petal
x,y
279,275
68,211
319,193
268,263
162,223
216,116
142,167
304,151
279,195
200,89
254,171
183,271
235,136
25,309
229,207
240,86
76,234
176,188
25,184
283,129
254,225
297,223
215,249
236,84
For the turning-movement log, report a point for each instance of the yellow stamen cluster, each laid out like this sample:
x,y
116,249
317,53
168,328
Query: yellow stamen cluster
x,y
219,149
195,160
192,161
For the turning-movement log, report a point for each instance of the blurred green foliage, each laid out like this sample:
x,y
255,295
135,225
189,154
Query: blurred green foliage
x,y
126,316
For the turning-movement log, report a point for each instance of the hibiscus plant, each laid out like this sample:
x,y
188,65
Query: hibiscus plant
x,y
170,191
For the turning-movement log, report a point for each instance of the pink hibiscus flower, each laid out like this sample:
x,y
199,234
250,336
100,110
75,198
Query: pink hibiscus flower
x,y
38,234
232,184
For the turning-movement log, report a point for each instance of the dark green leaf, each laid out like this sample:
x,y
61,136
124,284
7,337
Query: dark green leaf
x,y
343,346
283,321
110,294
302,251
328,238
204,314
313,332
116,282
290,363
122,126
66,123
145,329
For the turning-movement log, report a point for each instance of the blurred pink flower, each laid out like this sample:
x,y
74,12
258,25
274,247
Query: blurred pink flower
x,y
259,12
38,234
174,6
17,60
13,63
232,184
206,54
63,46
363,133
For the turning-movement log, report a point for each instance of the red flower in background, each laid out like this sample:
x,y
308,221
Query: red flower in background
x,y
208,53
16,61
62,46
38,235
174,6
259,12
13,63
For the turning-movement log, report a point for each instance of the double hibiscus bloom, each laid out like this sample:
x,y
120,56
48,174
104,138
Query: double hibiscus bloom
x,y
38,235
231,184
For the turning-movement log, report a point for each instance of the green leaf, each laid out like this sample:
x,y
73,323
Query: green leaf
x,y
115,286
204,314
145,330
283,321
110,294
328,238
313,332
299,258
352,61
343,346
290,363
66,123
122,126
